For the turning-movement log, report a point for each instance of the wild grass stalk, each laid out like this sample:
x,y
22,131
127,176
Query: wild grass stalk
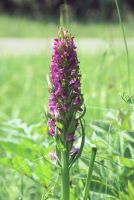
x,y
89,175
126,47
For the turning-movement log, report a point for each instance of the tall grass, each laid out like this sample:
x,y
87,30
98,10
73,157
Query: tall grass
x,y
126,47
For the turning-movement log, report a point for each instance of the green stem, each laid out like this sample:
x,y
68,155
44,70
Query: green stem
x,y
64,15
22,188
89,176
125,43
65,176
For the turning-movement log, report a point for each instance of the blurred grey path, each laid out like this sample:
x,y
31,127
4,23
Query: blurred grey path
x,y
25,46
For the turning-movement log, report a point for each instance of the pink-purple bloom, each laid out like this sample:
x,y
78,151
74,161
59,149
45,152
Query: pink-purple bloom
x,y
52,155
65,93
70,137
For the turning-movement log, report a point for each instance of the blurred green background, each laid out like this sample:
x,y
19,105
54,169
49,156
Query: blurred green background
x,y
27,29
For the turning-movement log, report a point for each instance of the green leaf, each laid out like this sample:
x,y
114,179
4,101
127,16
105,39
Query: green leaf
x,y
131,190
22,150
83,113
22,166
102,126
72,124
126,162
81,145
103,188
60,125
123,196
59,144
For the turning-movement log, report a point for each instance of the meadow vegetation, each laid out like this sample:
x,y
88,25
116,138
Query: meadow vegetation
x,y
11,26
25,174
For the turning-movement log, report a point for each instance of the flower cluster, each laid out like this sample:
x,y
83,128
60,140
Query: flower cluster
x,y
65,93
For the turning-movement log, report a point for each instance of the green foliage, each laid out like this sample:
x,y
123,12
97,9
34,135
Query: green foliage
x,y
25,166
114,167
27,151
28,28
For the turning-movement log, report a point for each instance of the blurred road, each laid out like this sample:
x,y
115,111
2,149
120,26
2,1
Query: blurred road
x,y
34,46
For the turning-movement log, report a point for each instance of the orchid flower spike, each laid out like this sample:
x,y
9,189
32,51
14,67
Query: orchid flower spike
x,y
66,99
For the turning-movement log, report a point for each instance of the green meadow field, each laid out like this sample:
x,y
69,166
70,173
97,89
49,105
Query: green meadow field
x,y
22,28
24,174
24,87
